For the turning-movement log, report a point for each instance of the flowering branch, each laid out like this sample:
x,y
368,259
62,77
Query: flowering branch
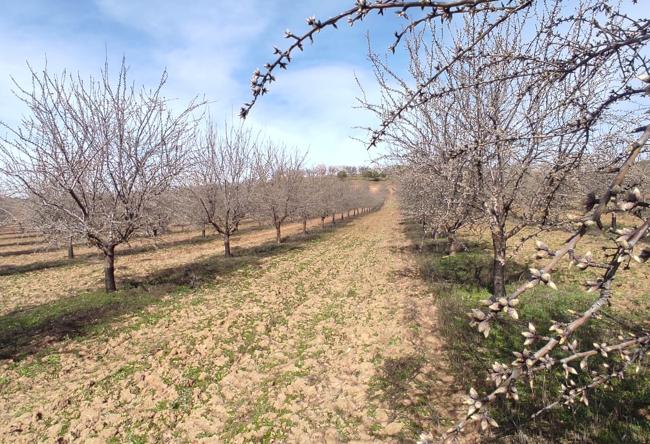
x,y
439,9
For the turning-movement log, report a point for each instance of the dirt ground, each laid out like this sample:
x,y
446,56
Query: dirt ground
x,y
333,341
35,275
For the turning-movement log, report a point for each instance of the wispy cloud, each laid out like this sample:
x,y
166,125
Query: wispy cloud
x,y
208,48
315,107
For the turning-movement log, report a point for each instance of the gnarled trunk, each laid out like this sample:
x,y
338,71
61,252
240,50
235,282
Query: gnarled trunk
x,y
226,245
109,269
322,222
70,248
304,225
278,234
454,245
499,265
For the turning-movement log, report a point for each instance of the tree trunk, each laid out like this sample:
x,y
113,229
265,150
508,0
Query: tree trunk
x,y
304,225
333,219
203,230
322,222
614,223
226,245
454,246
278,235
70,249
341,215
109,269
499,265
348,214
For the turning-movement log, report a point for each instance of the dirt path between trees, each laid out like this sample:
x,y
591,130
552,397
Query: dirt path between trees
x,y
44,276
332,342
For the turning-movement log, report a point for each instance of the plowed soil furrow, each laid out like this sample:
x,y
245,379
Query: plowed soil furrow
x,y
45,276
334,341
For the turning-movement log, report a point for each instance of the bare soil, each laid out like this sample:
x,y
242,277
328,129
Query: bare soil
x,y
334,341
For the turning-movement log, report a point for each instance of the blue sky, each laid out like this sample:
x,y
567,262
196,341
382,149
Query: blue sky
x,y
208,47
211,47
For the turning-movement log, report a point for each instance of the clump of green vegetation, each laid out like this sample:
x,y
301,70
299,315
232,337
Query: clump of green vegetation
x,y
22,332
373,175
42,364
461,282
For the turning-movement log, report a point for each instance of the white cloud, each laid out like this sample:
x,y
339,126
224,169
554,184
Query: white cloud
x,y
202,43
315,107
208,47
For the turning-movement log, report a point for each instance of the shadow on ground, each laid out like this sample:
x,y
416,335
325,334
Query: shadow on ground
x,y
406,386
121,251
95,256
460,283
469,269
23,243
30,330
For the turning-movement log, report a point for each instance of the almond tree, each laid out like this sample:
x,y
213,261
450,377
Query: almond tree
x,y
220,178
325,197
496,129
436,183
524,142
55,228
96,153
572,47
431,200
278,179
332,188
12,211
308,195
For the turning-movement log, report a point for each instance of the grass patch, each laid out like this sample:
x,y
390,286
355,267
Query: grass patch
x,y
42,364
257,417
461,282
27,331
124,372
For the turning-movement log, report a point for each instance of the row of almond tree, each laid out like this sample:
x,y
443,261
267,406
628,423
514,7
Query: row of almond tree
x,y
517,117
102,161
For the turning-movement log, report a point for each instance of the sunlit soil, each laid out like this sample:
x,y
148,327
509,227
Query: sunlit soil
x,y
333,340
